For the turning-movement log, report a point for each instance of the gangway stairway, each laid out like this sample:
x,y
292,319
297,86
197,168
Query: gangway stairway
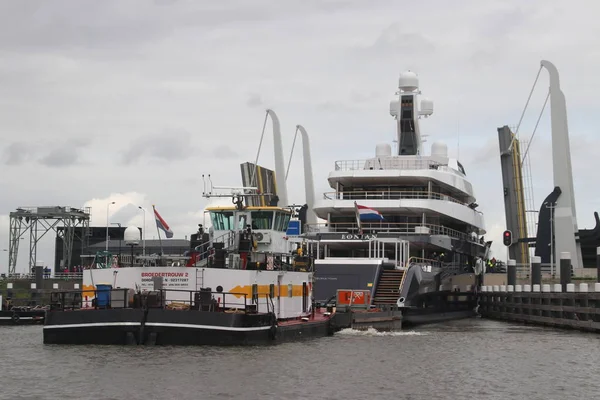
x,y
388,288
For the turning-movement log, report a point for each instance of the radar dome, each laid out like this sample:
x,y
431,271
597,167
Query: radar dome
x,y
408,81
132,236
383,150
439,149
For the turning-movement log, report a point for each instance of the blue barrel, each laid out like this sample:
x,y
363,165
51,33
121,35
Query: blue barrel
x,y
103,295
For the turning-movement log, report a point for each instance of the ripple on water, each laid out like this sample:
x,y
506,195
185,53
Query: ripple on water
x,y
474,358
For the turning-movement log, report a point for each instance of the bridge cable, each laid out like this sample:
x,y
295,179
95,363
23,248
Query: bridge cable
x,y
525,109
536,125
291,154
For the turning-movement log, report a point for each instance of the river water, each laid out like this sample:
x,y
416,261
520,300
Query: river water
x,y
476,359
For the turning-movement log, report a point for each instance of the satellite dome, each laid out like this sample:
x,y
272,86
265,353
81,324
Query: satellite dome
x,y
408,82
439,149
426,106
383,150
132,236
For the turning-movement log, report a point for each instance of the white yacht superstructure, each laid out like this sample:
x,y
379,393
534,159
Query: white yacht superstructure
x,y
427,207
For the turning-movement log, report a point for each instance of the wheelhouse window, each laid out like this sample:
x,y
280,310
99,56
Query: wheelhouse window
x,y
262,219
222,220
282,220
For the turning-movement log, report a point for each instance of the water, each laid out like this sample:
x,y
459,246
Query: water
x,y
475,358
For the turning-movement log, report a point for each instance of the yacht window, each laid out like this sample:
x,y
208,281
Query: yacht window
x,y
222,220
461,168
262,219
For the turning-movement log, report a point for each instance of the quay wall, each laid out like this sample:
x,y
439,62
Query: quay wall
x,y
576,307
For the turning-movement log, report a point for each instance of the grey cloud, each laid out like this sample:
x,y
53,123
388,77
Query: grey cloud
x,y
255,100
60,157
17,153
170,145
225,152
111,24
394,40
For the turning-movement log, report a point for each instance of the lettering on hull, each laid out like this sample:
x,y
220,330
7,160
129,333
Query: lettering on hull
x,y
358,237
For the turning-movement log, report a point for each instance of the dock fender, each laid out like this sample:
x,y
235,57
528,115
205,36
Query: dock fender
x,y
15,318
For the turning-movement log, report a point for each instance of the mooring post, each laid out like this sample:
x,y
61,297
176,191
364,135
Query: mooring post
x,y
565,269
536,270
511,272
598,262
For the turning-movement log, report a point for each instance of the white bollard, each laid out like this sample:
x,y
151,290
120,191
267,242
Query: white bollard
x,y
583,287
570,287
468,288
518,288
527,288
536,288
510,288
557,288
503,288
546,288
76,286
596,287
9,285
55,286
496,288
33,286
484,288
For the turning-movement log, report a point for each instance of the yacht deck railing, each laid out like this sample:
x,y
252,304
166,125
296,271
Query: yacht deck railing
x,y
389,195
391,227
385,163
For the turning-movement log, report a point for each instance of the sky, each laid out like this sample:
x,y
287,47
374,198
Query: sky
x,y
133,101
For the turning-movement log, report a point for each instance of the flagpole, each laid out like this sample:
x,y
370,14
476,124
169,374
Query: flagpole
x,y
158,231
357,218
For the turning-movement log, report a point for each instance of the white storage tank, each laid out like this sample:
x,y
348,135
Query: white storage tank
x,y
132,236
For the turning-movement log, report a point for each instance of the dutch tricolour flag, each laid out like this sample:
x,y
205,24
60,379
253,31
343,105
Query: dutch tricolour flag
x,y
368,214
162,225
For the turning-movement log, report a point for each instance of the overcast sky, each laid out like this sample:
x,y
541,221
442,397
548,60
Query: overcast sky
x,y
132,101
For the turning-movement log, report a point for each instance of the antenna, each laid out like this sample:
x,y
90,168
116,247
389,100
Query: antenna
x,y
458,135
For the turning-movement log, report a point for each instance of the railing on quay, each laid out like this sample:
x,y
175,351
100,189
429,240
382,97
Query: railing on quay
x,y
390,195
31,277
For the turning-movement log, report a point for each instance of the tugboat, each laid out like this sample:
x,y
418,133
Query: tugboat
x,y
242,285
401,229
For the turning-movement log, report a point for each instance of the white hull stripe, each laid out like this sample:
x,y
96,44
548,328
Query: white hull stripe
x,y
212,327
19,317
160,324
91,325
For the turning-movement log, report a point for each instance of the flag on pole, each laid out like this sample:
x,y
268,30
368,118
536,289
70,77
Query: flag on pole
x,y
367,213
162,225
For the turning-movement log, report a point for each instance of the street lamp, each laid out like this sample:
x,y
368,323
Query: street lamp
x,y
119,256
107,223
551,206
143,232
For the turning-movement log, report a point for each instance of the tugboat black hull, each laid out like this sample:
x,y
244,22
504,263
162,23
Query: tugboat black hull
x,y
176,327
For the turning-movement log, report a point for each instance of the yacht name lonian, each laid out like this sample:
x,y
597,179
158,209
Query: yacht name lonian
x,y
359,237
